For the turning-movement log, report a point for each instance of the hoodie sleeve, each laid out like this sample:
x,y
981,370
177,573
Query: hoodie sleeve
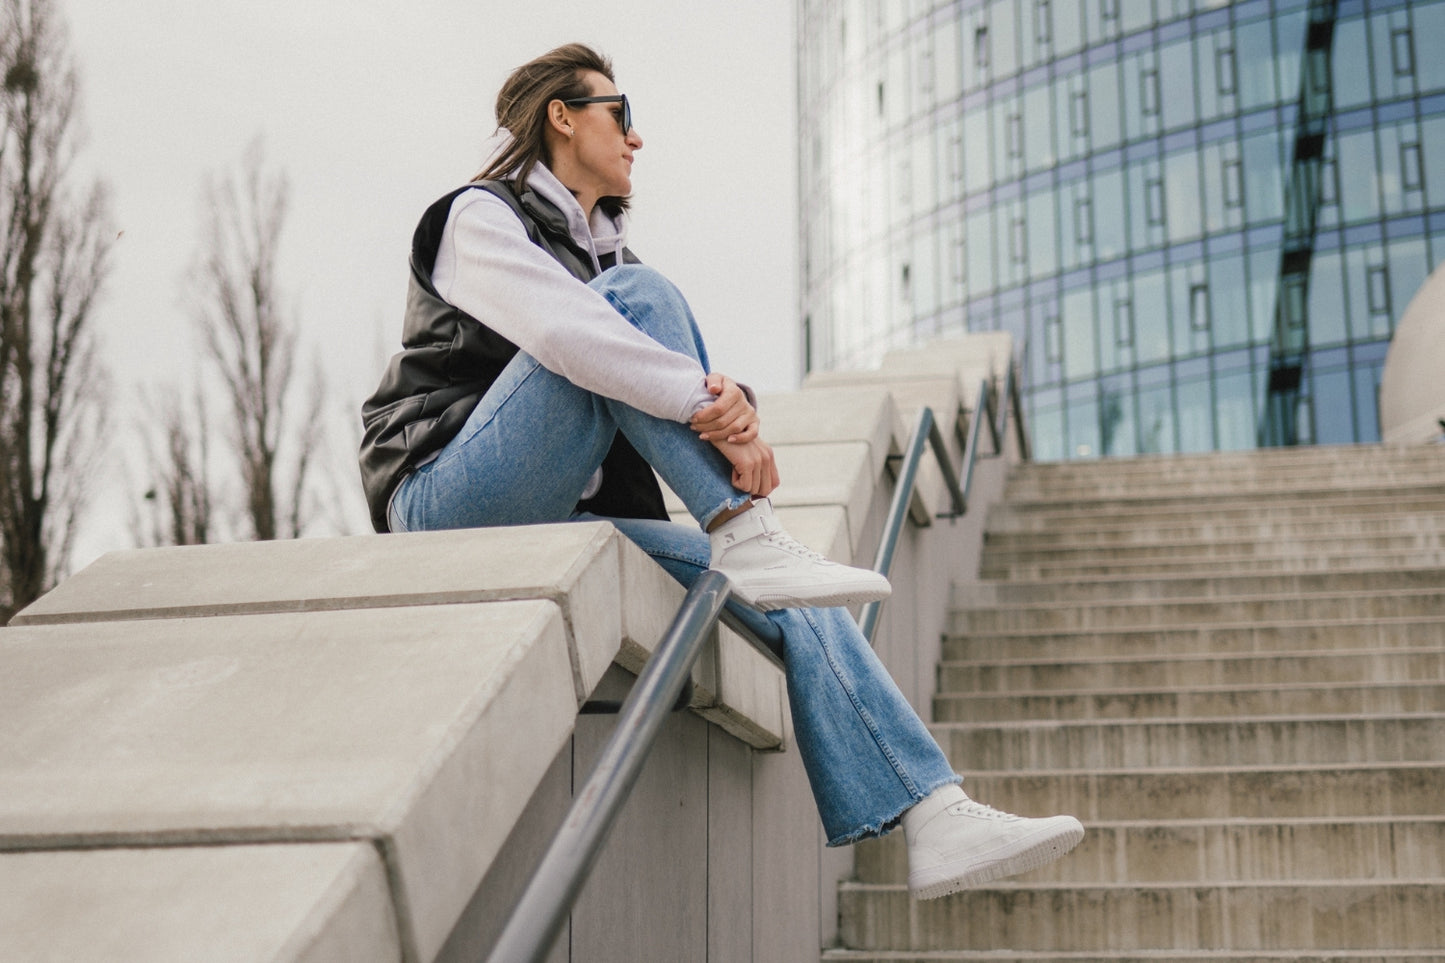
x,y
488,267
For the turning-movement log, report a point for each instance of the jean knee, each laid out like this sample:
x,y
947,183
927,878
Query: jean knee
x,y
652,303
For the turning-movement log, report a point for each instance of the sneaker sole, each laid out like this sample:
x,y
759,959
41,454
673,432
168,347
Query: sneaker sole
x,y
772,600
1034,852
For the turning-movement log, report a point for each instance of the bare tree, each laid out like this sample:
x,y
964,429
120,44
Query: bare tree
x,y
274,424
178,505
53,259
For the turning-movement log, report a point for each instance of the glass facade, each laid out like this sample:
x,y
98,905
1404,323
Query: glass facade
x,y
1201,218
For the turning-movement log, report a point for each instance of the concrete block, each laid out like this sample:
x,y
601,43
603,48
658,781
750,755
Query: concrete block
x,y
421,729
572,564
833,415
987,351
735,686
829,474
750,693
323,903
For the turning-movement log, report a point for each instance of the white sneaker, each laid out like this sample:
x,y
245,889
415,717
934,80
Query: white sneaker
x,y
954,843
769,569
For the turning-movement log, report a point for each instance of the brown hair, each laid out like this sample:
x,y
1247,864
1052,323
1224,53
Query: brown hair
x,y
522,109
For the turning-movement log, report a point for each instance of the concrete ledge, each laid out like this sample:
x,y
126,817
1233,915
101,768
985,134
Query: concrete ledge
x,y
425,736
308,903
573,565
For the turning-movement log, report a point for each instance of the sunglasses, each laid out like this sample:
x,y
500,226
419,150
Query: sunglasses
x,y
624,121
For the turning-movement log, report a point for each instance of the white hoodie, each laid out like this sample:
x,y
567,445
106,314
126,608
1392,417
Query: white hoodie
x,y
487,267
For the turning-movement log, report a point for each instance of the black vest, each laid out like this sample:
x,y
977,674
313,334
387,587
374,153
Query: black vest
x,y
450,359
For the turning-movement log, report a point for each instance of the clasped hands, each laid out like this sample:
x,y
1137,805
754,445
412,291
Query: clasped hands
x,y
730,424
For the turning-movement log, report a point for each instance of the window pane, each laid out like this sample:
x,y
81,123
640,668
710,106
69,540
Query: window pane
x,y
1432,150
1333,411
1350,84
1228,313
1359,176
1038,129
979,246
1046,434
977,155
1003,37
1327,299
1181,179
1176,83
1067,35
1234,411
1078,331
1083,412
1134,14
1255,62
1263,175
1117,429
1156,421
1429,21
1263,285
1109,214
1151,325
1367,396
1103,105
1195,417
1043,251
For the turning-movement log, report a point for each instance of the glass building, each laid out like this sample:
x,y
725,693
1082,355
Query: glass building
x,y
1202,218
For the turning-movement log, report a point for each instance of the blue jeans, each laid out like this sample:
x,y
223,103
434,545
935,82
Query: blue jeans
x,y
526,454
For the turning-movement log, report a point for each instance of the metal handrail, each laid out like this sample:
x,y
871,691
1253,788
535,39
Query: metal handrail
x,y
925,431
548,898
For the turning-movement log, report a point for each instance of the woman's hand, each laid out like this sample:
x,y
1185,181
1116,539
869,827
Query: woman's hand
x,y
730,418
754,470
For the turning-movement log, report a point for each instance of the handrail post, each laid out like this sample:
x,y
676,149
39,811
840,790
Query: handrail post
x,y
548,898
897,512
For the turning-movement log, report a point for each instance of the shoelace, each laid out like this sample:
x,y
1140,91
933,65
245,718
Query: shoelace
x,y
788,543
971,808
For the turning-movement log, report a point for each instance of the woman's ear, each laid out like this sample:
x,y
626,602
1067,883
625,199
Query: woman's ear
x,y
557,118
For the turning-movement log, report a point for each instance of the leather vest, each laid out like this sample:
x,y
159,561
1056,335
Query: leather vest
x,y
450,359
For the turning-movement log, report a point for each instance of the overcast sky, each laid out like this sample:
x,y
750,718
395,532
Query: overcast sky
x,y
373,109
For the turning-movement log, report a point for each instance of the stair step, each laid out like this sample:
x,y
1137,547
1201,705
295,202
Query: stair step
x,y
1216,792
1188,524
1326,498
1219,850
1045,566
1304,551
1305,915
1199,702
1205,638
1403,664
1090,744
1342,506
1189,588
1258,608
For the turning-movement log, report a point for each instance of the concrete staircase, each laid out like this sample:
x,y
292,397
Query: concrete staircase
x,y
1232,668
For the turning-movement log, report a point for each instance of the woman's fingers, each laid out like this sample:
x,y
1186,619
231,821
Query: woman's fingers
x,y
754,469
730,417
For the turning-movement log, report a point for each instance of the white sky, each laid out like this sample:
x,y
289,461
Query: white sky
x,y
375,109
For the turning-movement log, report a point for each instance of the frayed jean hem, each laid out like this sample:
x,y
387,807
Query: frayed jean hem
x,y
892,822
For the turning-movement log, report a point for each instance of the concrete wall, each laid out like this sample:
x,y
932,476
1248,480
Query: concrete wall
x,y
395,718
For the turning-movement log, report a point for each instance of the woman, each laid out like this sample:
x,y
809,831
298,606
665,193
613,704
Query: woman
x,y
546,373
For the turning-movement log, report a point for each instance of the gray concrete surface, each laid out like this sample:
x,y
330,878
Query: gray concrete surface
x,y
322,903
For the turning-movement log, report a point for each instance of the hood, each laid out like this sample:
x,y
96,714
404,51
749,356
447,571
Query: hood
x,y
605,234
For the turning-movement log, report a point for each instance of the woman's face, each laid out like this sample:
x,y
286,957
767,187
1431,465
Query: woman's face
x,y
595,160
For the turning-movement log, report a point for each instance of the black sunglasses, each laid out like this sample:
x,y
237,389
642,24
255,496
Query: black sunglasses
x,y
625,121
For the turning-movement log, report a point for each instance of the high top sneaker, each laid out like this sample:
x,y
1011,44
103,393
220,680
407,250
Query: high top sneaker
x,y
769,569
955,843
